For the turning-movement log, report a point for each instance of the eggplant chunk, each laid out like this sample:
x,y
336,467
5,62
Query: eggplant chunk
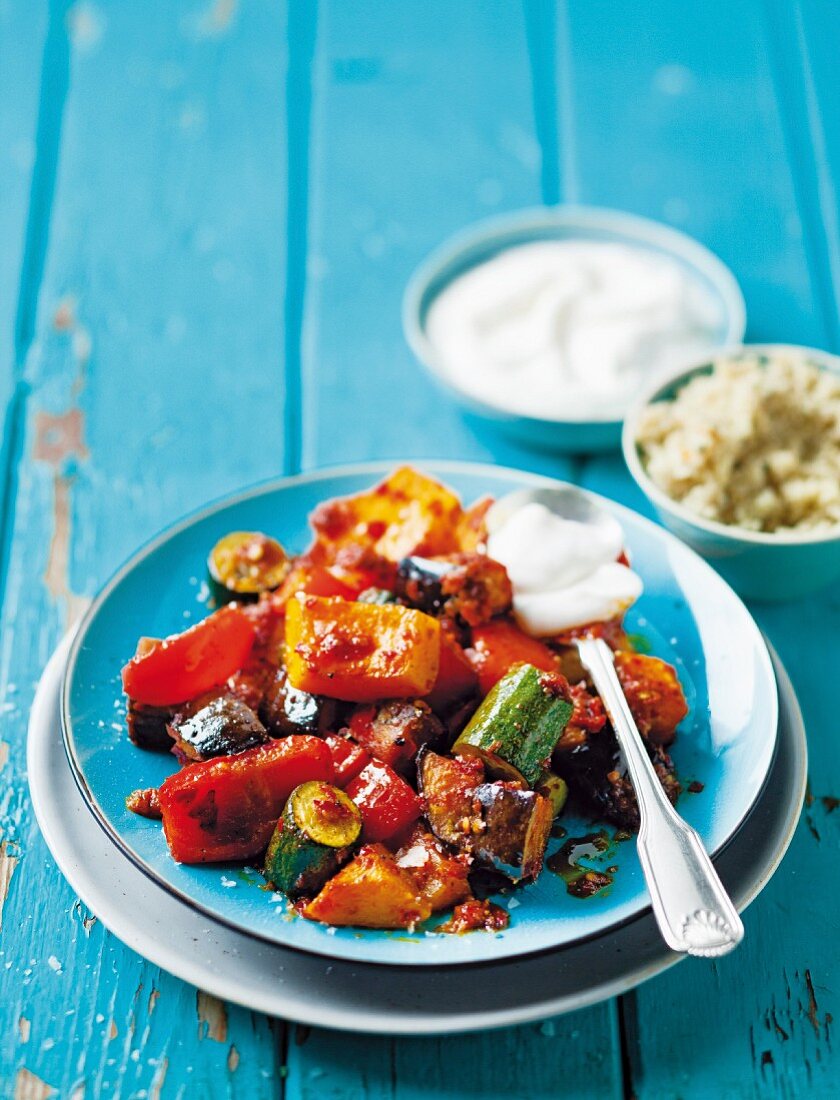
x,y
286,710
222,727
516,824
396,731
147,726
591,764
471,588
447,785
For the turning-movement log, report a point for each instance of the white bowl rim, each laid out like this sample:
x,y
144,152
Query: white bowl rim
x,y
825,360
636,229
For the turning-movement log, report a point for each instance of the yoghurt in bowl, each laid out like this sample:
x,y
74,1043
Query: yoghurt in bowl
x,y
550,322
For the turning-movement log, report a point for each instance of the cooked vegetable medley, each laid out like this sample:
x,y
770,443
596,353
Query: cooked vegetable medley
x,y
368,722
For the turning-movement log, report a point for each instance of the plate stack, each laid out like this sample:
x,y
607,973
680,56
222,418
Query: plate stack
x,y
214,928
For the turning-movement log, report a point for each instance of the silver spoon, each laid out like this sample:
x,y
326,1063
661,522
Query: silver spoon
x,y
694,913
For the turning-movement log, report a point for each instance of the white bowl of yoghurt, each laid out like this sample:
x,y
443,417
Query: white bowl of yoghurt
x,y
550,322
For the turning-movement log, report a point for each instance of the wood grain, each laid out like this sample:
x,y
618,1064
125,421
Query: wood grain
x,y
209,212
154,382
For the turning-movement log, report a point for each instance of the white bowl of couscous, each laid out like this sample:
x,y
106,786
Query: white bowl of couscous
x,y
740,457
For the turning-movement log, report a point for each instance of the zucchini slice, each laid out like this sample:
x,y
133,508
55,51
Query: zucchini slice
x,y
555,789
314,836
515,729
245,563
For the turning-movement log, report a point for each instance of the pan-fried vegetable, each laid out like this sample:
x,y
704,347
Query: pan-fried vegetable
x,y
499,645
186,665
555,789
517,726
227,808
516,825
396,731
470,587
245,563
371,892
456,680
285,709
358,651
654,695
387,802
441,876
408,513
348,758
447,786
314,836
223,727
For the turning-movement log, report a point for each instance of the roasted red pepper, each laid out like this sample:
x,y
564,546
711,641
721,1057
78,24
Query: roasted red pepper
x,y
186,665
348,758
312,580
456,678
387,802
499,645
227,808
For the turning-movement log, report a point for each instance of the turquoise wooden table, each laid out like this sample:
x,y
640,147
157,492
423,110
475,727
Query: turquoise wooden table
x,y
208,213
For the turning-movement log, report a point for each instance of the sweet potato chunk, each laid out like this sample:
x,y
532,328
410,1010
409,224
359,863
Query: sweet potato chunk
x,y
372,891
360,651
440,875
654,694
408,513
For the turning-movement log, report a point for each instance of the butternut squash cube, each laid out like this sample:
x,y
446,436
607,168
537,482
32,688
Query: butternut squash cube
x,y
370,892
360,651
441,876
408,513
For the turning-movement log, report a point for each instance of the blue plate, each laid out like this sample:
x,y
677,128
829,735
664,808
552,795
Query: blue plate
x,y
687,615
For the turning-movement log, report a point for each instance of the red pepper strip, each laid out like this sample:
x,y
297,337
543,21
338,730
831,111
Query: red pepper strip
x,y
186,665
387,802
498,646
456,678
348,758
227,808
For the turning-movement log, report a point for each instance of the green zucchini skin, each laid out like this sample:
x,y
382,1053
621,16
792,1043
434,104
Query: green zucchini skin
x,y
555,789
316,833
515,729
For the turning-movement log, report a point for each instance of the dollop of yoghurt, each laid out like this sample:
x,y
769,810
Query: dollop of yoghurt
x,y
564,573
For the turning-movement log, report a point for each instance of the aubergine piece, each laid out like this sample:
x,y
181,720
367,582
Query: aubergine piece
x,y
224,727
286,710
470,588
448,784
419,583
592,765
148,726
516,825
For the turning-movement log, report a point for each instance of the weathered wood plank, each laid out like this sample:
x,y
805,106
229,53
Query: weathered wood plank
x,y
702,125
417,131
564,1056
155,382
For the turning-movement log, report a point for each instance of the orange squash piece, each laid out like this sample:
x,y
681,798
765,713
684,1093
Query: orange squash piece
x,y
440,875
654,694
360,651
408,513
370,892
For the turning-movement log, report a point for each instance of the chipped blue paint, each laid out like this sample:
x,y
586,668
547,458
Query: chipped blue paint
x,y
234,194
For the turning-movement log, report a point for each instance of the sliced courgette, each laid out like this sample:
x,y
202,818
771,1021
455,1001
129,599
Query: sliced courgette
x,y
517,726
314,836
245,563
555,789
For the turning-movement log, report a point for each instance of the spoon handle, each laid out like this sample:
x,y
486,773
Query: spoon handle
x,y
692,908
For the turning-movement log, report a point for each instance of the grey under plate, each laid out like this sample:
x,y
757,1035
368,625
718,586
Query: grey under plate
x,y
380,999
